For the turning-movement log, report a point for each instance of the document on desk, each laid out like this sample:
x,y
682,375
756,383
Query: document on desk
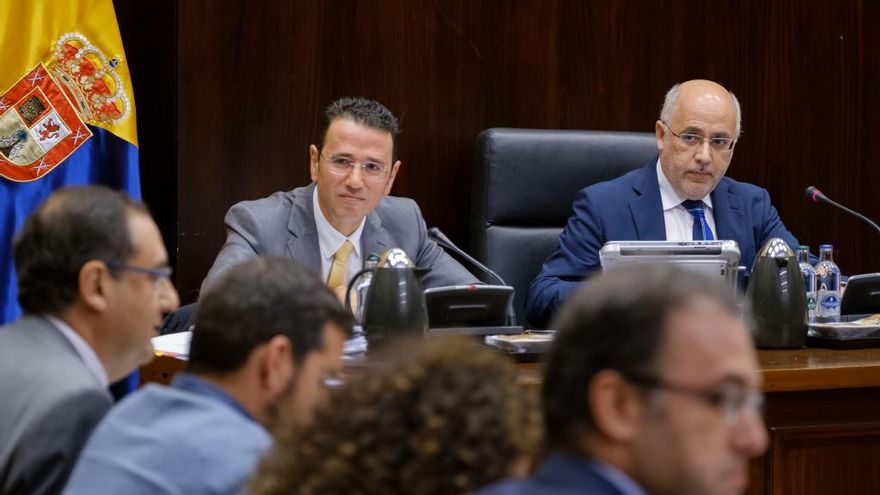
x,y
177,344
173,344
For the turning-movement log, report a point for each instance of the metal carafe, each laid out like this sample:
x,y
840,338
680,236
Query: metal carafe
x,y
776,293
395,300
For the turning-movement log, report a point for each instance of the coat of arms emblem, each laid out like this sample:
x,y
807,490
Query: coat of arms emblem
x,y
43,115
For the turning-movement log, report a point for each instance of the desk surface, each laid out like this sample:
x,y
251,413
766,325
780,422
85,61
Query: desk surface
x,y
783,370
816,369
795,369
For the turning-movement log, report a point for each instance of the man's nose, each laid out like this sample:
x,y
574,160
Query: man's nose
x,y
355,178
704,152
169,300
750,434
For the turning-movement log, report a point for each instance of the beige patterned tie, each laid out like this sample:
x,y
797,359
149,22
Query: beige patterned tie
x,y
340,261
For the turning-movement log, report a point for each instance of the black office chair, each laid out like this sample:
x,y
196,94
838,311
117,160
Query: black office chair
x,y
524,183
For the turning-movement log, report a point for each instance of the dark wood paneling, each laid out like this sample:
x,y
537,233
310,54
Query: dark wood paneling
x,y
818,460
821,441
254,76
149,34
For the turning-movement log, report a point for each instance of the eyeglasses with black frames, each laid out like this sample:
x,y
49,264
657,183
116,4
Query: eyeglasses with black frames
x,y
731,397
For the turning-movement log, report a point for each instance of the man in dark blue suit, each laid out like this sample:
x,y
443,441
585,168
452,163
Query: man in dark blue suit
x,y
651,387
681,196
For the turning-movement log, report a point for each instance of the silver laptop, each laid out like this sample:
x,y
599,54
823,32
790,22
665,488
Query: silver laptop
x,y
716,259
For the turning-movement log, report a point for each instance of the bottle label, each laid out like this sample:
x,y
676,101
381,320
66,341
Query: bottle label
x,y
829,303
811,305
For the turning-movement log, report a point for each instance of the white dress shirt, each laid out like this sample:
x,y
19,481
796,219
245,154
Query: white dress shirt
x,y
330,240
679,221
85,351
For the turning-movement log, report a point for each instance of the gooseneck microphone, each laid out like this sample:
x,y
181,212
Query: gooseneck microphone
x,y
817,196
440,238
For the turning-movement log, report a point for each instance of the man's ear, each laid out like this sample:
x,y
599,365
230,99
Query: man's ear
x,y
94,285
615,405
394,169
314,158
660,134
276,365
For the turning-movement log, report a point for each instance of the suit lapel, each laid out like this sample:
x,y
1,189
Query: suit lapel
x,y
302,245
646,207
374,238
729,221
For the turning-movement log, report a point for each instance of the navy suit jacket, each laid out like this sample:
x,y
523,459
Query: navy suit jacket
x,y
629,208
559,475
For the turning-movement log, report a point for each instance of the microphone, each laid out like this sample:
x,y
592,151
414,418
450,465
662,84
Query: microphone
x,y
816,195
440,238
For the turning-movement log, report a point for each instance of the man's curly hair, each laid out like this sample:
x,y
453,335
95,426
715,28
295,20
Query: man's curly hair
x,y
445,417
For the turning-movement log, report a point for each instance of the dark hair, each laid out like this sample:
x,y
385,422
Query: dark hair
x,y
255,301
369,113
73,226
442,417
616,321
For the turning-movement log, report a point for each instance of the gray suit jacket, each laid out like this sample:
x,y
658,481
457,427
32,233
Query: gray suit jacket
x,y
284,225
49,404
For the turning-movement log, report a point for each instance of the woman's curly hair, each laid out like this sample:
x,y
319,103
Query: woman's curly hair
x,y
444,417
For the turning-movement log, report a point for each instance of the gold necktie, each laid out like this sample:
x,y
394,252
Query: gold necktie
x,y
340,261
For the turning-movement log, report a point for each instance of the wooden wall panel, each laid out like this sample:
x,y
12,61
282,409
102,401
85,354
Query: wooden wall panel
x,y
253,77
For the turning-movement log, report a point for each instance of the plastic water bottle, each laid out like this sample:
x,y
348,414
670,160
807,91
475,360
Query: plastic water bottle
x,y
828,286
364,286
809,274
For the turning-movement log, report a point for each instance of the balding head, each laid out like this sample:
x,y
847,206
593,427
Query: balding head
x,y
700,88
698,127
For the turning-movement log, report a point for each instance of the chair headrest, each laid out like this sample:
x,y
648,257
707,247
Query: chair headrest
x,y
531,176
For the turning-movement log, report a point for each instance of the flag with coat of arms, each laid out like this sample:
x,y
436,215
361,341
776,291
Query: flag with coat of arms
x,y
66,112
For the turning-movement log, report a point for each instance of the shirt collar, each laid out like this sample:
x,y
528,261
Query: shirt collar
x,y
330,239
85,351
670,198
194,384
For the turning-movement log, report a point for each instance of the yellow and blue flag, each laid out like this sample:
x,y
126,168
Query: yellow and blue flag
x,y
66,112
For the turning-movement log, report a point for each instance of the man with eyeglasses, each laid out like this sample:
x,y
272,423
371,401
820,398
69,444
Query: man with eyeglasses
x,y
682,195
93,283
335,223
268,337
651,387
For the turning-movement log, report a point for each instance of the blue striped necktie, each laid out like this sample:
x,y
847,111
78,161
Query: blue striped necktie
x,y
702,232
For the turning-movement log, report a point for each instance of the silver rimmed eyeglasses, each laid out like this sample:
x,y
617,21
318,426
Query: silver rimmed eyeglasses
x,y
691,140
731,398
343,165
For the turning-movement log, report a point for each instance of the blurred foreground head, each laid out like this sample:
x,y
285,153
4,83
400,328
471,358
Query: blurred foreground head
x,y
653,372
94,258
270,332
442,416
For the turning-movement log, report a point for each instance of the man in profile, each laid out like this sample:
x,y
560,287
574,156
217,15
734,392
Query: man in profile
x,y
267,336
683,195
651,387
335,223
93,283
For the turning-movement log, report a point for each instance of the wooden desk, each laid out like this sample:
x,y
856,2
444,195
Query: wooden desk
x,y
161,370
823,417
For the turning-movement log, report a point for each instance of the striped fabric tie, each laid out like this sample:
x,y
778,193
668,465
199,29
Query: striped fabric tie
x,y
702,232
